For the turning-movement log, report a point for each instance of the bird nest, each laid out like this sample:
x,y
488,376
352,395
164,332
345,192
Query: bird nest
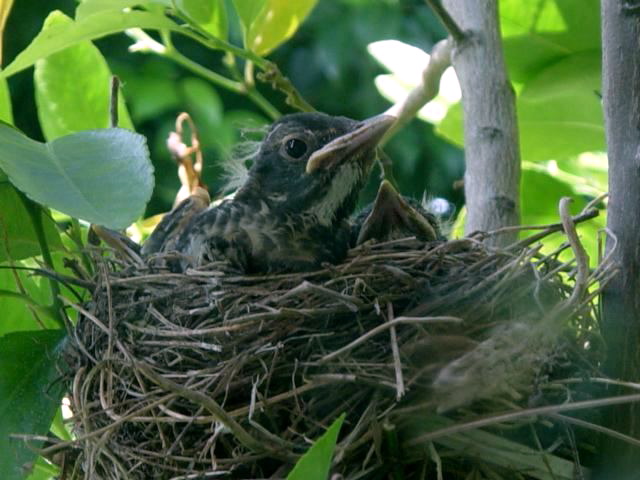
x,y
212,373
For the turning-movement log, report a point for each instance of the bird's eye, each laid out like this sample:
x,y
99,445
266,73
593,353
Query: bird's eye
x,y
295,148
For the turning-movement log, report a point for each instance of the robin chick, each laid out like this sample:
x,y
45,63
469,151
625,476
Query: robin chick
x,y
392,216
291,213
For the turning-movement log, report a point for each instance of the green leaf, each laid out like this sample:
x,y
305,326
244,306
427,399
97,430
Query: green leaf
x,y
268,23
6,114
5,8
101,176
17,236
203,103
72,88
90,7
29,395
315,464
559,110
537,33
540,195
100,24
559,113
210,15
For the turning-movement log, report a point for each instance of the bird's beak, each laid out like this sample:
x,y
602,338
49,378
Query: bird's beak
x,y
364,137
390,211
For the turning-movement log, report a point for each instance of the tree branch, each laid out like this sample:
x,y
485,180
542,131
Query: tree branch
x,y
492,177
621,297
428,88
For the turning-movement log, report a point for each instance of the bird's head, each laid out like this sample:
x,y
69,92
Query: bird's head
x,y
314,164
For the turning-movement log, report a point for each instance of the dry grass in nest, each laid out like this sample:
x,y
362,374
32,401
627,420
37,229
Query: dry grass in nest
x,y
215,374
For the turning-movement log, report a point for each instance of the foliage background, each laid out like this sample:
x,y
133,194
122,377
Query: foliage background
x,y
552,49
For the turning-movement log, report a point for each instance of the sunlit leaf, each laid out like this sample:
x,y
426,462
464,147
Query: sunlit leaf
x,y
6,112
315,464
210,15
539,32
72,88
540,209
101,176
90,7
5,8
268,23
559,112
94,26
29,395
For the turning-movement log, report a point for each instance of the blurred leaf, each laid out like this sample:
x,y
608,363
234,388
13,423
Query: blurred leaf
x,y
28,395
268,23
44,470
106,22
537,33
559,113
210,15
101,176
72,88
5,8
316,462
17,237
6,114
559,110
204,105
540,196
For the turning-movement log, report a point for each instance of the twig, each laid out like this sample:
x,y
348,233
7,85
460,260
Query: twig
x,y
397,364
272,75
597,428
529,412
210,404
427,89
546,229
113,102
582,258
447,21
381,328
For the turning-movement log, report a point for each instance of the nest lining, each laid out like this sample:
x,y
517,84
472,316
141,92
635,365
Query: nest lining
x,y
215,374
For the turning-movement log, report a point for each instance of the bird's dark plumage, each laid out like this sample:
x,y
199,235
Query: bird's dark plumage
x,y
291,213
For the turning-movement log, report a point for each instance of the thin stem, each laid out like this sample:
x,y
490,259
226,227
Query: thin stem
x,y
170,52
113,102
198,69
447,20
217,44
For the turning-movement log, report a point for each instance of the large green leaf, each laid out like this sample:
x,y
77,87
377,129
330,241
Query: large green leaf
x,y
559,113
101,176
210,15
97,25
559,110
537,33
315,464
29,395
6,114
17,236
268,23
72,88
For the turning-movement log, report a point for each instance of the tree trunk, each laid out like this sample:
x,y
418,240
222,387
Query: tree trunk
x,y
492,178
621,299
